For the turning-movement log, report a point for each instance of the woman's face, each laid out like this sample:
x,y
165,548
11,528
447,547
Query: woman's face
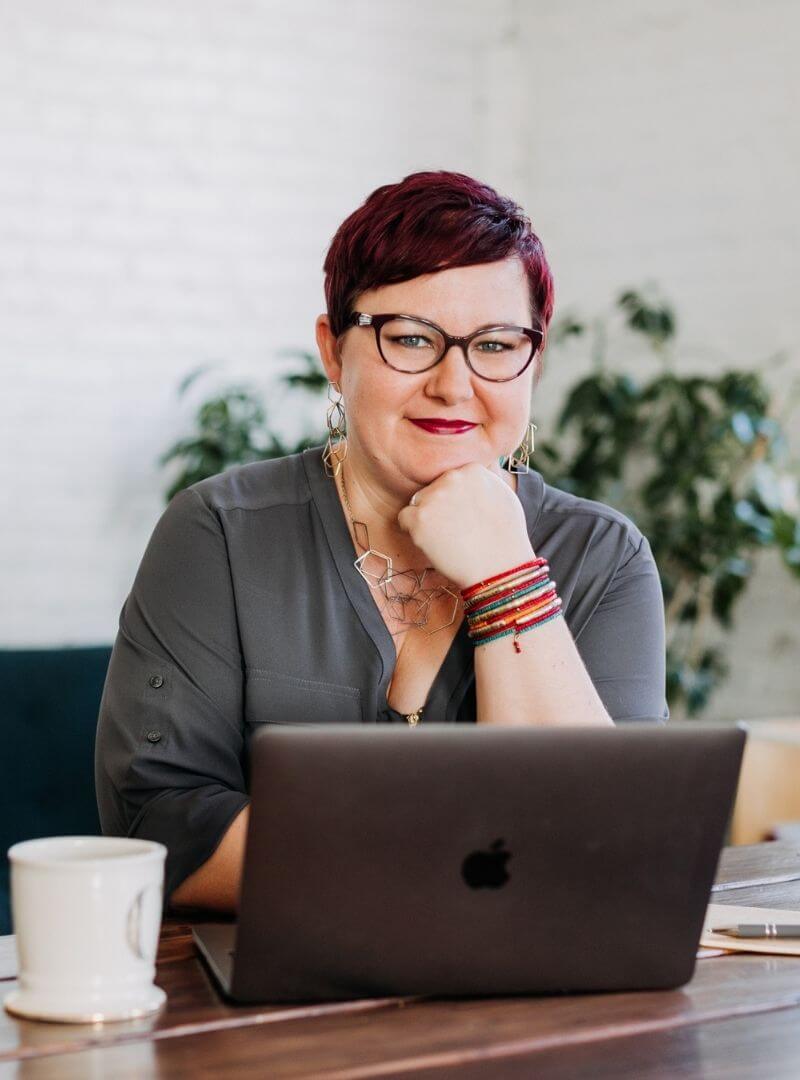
x,y
380,402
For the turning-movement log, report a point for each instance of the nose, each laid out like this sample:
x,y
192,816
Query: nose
x,y
451,378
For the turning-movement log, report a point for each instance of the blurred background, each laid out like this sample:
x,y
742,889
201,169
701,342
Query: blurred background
x,y
174,170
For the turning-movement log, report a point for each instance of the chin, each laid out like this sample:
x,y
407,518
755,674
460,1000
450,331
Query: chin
x,y
432,469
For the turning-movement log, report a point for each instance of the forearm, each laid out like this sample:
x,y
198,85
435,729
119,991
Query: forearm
x,y
216,883
546,684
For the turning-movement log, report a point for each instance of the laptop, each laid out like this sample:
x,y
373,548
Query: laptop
x,y
463,860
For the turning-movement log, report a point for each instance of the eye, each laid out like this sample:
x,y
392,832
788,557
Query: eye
x,y
501,346
407,339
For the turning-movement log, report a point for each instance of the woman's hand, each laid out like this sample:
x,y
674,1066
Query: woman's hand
x,y
469,523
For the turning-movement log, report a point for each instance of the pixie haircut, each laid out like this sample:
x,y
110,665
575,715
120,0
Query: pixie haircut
x,y
431,221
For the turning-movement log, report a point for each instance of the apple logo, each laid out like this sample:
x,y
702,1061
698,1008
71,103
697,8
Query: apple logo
x,y
486,869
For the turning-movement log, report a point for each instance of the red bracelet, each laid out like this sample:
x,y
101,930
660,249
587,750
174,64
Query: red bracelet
x,y
472,589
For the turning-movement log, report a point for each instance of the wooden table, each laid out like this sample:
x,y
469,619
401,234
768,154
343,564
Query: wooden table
x,y
738,1017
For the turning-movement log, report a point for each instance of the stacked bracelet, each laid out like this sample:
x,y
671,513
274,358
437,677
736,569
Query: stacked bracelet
x,y
511,602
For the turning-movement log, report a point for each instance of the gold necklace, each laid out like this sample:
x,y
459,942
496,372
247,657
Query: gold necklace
x,y
419,595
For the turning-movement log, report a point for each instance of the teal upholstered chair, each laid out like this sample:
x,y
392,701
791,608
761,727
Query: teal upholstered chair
x,y
49,700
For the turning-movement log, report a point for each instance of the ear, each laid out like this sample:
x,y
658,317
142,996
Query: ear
x,y
328,349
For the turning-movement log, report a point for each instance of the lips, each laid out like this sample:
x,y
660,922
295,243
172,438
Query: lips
x,y
444,427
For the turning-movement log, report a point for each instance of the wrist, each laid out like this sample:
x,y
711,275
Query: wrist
x,y
511,602
498,563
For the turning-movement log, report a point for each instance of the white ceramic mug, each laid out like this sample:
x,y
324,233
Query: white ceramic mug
x,y
87,915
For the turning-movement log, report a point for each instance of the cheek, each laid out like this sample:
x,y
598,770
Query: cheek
x,y
523,399
510,410
374,400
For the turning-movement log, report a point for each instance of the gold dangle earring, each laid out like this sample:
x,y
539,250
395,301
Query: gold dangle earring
x,y
518,460
334,456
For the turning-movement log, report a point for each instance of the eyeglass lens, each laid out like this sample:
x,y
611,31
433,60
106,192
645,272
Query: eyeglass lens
x,y
412,346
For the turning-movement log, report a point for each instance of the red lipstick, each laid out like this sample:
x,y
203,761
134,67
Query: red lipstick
x,y
442,427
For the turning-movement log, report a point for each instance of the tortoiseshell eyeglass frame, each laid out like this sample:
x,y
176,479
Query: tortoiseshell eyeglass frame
x,y
376,321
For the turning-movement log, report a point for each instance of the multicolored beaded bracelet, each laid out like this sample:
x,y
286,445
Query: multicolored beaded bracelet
x,y
516,631
533,579
516,613
512,602
518,625
510,597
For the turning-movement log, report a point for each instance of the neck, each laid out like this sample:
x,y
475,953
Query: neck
x,y
378,508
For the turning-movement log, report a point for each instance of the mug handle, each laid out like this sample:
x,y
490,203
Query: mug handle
x,y
135,931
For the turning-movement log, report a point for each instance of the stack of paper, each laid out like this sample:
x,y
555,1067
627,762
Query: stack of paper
x,y
727,915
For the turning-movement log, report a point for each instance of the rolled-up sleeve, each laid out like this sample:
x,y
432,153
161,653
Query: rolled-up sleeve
x,y
623,642
170,737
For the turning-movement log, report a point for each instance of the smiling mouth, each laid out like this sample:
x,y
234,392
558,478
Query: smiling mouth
x,y
443,427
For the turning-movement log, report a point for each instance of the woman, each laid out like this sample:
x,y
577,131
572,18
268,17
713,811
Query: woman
x,y
399,574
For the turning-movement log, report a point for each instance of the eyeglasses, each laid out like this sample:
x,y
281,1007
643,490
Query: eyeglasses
x,y
411,344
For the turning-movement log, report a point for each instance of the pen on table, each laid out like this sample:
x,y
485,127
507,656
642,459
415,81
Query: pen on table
x,y
760,930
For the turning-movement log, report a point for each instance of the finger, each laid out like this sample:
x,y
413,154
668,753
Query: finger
x,y
404,516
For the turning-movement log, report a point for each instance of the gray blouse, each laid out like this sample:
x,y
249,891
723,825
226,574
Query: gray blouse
x,y
247,609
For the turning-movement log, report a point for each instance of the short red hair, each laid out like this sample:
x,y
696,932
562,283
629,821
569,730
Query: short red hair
x,y
430,221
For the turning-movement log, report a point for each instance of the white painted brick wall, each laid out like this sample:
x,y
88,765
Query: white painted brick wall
x,y
172,173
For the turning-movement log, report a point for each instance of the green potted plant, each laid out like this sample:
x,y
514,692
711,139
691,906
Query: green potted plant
x,y
232,427
699,462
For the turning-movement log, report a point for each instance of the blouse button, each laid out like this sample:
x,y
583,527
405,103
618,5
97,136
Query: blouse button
x,y
156,681
153,736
